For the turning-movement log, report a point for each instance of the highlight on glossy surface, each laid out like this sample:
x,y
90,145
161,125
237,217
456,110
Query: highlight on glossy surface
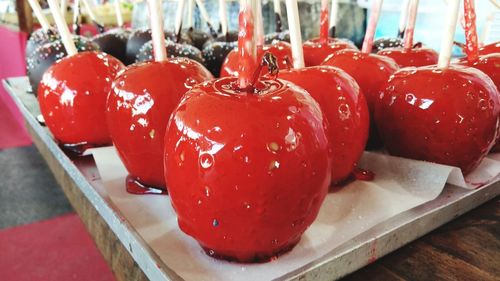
x,y
448,116
411,57
345,108
490,48
247,171
138,108
72,97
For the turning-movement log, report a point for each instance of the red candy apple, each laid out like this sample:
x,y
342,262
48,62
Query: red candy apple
x,y
315,51
138,108
345,108
247,170
449,116
411,57
72,97
489,64
281,50
490,49
370,72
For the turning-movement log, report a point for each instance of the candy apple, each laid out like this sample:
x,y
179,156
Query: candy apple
x,y
215,53
316,51
448,116
39,38
247,170
114,42
411,57
72,97
490,49
173,50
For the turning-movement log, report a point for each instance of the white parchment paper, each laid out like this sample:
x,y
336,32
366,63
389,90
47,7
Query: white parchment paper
x,y
400,184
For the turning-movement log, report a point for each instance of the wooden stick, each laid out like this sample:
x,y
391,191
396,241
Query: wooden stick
x,y
64,7
76,17
277,14
118,12
247,50
403,18
190,9
295,35
92,15
223,16
471,40
203,12
334,10
372,26
410,26
259,24
158,37
35,6
178,16
449,34
323,22
62,27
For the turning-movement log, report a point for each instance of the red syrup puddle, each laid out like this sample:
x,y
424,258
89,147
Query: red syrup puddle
x,y
258,258
133,186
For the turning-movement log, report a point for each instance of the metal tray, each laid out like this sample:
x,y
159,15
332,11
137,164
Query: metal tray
x,y
82,185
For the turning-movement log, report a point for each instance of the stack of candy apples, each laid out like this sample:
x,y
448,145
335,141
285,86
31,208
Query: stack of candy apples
x,y
247,159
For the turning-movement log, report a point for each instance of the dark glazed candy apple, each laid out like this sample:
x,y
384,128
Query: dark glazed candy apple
x,y
215,53
411,57
72,97
370,72
315,52
247,171
384,43
45,56
345,108
447,116
284,36
39,38
174,50
138,108
281,50
114,42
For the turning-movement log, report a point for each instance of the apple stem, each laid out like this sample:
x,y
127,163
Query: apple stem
x,y
76,17
223,17
178,18
323,22
471,40
190,9
64,6
62,27
247,50
372,26
92,16
158,36
259,25
118,11
410,26
292,11
334,10
277,15
35,6
403,18
449,34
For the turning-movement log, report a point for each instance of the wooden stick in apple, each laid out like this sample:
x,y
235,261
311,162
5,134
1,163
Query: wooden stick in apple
x,y
403,18
334,10
157,34
62,27
35,6
93,17
76,17
247,50
64,7
190,10
259,24
323,22
295,35
277,15
372,26
178,18
410,26
206,17
223,17
449,34
118,12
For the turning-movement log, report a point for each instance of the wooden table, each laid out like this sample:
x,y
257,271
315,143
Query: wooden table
x,y
467,248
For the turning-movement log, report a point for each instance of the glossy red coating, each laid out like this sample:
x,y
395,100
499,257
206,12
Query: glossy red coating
x,y
490,49
412,57
315,51
445,116
138,108
72,97
345,108
281,50
247,172
371,72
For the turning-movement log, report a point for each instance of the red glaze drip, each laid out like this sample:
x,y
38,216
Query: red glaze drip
x,y
411,57
345,108
445,116
315,52
363,175
138,109
135,187
323,26
471,41
371,72
247,53
247,173
72,97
